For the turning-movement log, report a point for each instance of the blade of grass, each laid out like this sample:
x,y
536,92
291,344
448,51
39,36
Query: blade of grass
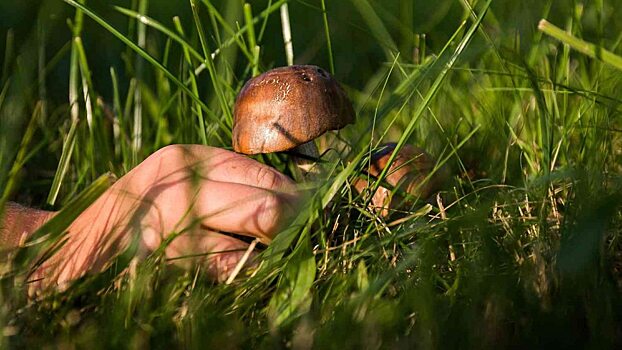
x,y
421,108
137,131
3,94
323,196
234,39
20,158
293,293
235,36
586,48
329,45
63,164
41,43
379,30
49,235
69,142
287,34
409,87
193,83
87,87
226,129
264,15
119,121
161,28
214,22
209,63
252,43
293,290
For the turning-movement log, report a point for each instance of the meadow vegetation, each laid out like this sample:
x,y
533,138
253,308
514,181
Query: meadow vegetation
x,y
522,248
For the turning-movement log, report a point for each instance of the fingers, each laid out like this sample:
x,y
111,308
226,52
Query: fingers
x,y
225,191
225,253
179,189
220,254
220,206
218,165
225,166
244,209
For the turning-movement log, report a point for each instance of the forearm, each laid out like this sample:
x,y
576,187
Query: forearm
x,y
17,223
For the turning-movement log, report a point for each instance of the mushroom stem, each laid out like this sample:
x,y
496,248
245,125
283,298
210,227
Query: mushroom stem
x,y
306,163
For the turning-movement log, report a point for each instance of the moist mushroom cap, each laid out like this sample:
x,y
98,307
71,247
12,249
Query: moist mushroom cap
x,y
286,107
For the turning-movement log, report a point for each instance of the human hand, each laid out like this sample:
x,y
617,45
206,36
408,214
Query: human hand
x,y
195,191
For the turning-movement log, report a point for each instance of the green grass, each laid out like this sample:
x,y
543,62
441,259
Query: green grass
x,y
523,248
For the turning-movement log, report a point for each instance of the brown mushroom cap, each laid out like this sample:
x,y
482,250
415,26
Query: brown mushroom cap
x,y
286,107
407,173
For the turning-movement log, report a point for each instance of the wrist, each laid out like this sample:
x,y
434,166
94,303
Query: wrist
x,y
18,223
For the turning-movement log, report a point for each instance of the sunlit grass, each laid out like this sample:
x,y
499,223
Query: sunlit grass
x,y
521,249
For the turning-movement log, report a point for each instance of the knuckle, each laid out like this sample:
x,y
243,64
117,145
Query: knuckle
x,y
168,154
169,151
267,178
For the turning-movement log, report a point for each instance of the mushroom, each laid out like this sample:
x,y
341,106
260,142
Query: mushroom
x,y
285,109
407,172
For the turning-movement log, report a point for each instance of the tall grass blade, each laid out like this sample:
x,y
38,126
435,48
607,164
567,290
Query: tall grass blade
x,y
236,36
589,49
209,63
293,293
379,30
118,121
50,234
42,86
226,129
63,164
252,41
74,106
287,34
329,45
137,132
21,156
421,108
148,21
193,84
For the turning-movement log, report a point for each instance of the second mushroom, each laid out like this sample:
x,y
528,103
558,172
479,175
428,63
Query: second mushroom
x,y
407,174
